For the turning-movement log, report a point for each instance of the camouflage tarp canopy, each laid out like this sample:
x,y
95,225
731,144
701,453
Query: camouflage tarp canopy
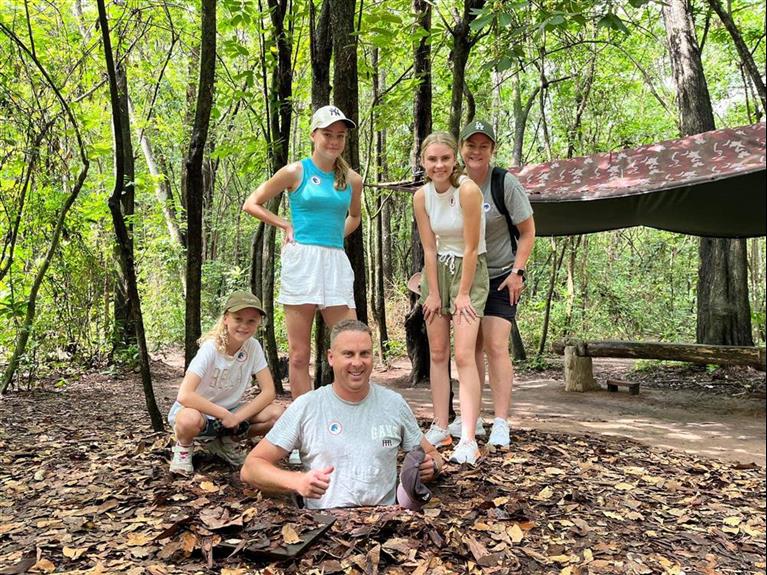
x,y
710,184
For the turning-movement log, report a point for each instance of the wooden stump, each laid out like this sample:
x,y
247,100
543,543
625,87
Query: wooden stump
x,y
579,375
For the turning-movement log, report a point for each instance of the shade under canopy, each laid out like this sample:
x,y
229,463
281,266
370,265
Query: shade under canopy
x,y
710,184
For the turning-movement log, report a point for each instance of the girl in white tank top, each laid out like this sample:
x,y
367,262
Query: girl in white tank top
x,y
450,217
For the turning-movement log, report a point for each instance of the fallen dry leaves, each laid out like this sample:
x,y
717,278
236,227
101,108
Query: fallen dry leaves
x,y
84,489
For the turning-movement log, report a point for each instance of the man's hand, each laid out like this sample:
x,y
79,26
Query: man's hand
x,y
314,483
430,468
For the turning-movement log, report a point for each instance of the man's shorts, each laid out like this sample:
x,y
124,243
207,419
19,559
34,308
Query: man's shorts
x,y
449,281
498,301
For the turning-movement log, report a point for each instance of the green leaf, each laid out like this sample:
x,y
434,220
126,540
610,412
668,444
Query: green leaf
x,y
556,21
612,22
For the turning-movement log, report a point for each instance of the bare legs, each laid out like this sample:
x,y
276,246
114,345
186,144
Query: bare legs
x,y
495,341
469,393
298,322
190,422
438,331
469,389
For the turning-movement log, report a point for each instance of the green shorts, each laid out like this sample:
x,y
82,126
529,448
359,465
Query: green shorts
x,y
450,280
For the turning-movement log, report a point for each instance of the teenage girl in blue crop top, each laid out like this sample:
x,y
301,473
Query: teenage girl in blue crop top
x,y
325,203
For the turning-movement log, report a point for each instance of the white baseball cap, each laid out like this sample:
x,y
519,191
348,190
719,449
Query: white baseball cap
x,y
327,115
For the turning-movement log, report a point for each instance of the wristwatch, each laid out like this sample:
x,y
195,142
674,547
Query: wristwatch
x,y
518,271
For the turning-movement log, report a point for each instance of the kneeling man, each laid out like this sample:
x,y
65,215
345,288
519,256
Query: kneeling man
x,y
348,434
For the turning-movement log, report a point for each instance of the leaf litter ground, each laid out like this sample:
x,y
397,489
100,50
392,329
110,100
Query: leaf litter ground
x,y
85,488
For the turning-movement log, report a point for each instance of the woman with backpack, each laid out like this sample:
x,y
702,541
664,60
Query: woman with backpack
x,y
509,237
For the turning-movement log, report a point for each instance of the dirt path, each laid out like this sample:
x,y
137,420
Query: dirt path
x,y
701,422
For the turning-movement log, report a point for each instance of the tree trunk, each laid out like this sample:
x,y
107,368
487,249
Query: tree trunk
x,y
12,235
415,328
724,312
342,13
459,56
124,329
321,42
121,230
193,169
161,188
257,259
377,267
322,50
280,117
746,58
556,264
386,223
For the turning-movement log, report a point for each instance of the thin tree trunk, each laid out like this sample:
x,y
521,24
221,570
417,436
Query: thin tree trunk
x,y
193,168
387,214
257,258
124,330
582,93
9,247
161,187
321,48
463,41
280,117
378,295
121,230
746,58
415,328
556,265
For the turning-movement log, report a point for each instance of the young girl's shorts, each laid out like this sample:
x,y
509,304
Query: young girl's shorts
x,y
449,281
316,275
209,430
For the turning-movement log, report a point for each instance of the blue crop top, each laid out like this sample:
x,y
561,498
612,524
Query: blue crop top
x,y
318,210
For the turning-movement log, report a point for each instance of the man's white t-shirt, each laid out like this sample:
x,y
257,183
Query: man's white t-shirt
x,y
360,440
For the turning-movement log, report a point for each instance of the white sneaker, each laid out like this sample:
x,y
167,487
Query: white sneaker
x,y
295,458
455,427
182,459
499,435
465,452
438,436
227,449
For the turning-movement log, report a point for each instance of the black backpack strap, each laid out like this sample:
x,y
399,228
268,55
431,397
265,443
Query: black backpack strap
x,y
497,190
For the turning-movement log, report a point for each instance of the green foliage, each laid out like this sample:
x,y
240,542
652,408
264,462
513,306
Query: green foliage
x,y
630,283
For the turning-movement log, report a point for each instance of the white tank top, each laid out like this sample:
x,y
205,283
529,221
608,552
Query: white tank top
x,y
446,219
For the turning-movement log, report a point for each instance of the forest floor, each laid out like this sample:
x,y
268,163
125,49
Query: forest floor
x,y
669,481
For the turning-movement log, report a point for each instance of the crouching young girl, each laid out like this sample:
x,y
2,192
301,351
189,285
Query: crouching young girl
x,y
209,402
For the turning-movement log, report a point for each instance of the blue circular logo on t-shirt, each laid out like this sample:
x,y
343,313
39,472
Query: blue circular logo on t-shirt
x,y
486,207
315,180
335,428
242,355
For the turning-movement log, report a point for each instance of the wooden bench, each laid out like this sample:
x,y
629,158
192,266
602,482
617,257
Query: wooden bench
x,y
579,374
612,385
